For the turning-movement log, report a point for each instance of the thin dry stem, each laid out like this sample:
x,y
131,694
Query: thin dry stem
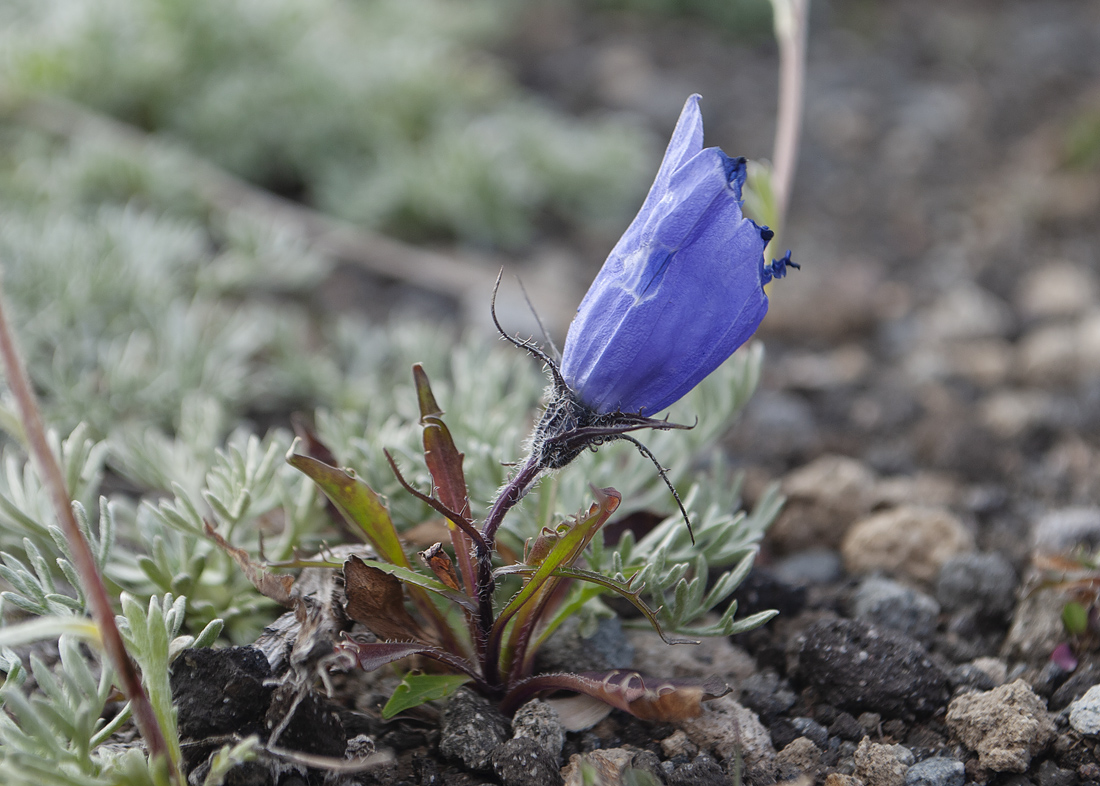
x,y
791,23
83,561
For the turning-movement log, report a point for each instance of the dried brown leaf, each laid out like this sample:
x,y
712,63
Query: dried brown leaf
x,y
377,600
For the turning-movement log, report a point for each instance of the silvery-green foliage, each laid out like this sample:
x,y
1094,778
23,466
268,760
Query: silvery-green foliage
x,y
248,493
57,733
676,572
115,329
387,112
151,636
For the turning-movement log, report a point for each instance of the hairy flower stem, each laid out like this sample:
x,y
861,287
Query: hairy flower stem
x,y
512,493
83,560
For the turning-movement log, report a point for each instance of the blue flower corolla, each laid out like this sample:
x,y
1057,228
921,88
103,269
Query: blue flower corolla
x,y
681,290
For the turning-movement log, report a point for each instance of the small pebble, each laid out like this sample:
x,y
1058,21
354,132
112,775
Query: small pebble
x,y
523,762
1084,713
800,757
812,730
1075,686
938,771
1005,726
702,771
983,578
889,604
861,668
1065,529
824,497
882,765
908,541
811,567
1050,774
538,721
472,730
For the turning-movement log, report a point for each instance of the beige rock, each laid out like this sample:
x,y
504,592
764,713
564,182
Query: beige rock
x,y
1036,627
882,765
923,488
1056,289
845,365
608,764
966,311
727,729
1008,413
986,362
823,499
678,744
1049,355
1005,726
909,540
1088,342
837,779
800,757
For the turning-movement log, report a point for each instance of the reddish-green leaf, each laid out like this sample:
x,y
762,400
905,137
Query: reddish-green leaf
x,y
371,655
445,465
358,503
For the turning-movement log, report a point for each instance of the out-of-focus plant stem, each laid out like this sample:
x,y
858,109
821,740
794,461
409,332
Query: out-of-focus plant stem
x,y
791,23
83,561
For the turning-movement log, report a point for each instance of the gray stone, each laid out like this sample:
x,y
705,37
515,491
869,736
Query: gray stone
x,y
567,650
1075,686
983,578
729,730
523,762
472,730
538,721
812,730
1084,714
888,604
1066,529
939,771
702,771
966,311
810,567
858,667
1050,774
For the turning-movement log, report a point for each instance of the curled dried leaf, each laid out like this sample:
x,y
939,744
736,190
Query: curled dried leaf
x,y
440,563
643,697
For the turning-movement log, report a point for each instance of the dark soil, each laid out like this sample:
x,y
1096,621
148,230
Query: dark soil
x,y
931,399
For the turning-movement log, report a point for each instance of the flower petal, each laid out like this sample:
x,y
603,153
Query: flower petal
x,y
680,291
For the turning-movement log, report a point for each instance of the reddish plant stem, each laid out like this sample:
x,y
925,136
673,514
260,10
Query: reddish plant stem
x,y
513,491
83,561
